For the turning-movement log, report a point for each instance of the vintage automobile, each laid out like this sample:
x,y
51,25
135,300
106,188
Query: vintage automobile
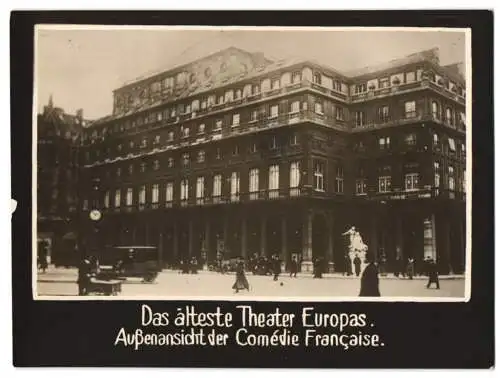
x,y
122,262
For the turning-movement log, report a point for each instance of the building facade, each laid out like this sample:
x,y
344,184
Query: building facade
x,y
58,140
281,157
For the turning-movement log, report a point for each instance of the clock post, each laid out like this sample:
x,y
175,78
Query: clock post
x,y
95,216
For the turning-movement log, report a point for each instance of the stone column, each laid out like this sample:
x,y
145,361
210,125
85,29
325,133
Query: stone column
x,y
190,238
263,236
430,237
207,239
329,250
307,265
225,233
244,237
160,249
175,239
445,255
284,242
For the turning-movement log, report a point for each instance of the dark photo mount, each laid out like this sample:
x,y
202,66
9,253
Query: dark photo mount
x,y
415,335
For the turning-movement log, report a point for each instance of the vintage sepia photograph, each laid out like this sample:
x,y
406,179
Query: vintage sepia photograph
x,y
251,163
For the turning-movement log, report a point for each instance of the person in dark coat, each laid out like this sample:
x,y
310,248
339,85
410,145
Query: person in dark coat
x,y
184,267
433,274
276,266
348,265
357,265
318,268
397,266
369,280
84,276
294,267
42,256
381,265
241,279
194,265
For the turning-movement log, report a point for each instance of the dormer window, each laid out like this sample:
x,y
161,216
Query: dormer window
x,y
296,77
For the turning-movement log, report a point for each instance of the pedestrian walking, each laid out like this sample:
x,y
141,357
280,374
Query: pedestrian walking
x,y
381,265
276,266
84,276
294,267
357,265
347,265
410,268
241,279
433,274
42,256
318,268
369,280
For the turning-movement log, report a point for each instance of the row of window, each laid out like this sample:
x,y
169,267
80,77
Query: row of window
x,y
234,183
267,111
410,111
411,183
273,143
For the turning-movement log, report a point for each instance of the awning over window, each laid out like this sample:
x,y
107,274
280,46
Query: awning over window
x,y
451,143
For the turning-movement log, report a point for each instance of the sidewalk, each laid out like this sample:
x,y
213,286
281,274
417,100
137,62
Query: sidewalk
x,y
70,275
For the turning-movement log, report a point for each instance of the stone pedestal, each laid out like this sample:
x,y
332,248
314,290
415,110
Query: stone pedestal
x,y
306,267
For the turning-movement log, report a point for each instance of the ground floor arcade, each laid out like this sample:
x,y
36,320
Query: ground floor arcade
x,y
307,229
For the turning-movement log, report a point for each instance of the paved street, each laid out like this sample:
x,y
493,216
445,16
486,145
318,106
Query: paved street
x,y
208,284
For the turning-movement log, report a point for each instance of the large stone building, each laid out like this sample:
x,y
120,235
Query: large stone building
x,y
58,139
268,157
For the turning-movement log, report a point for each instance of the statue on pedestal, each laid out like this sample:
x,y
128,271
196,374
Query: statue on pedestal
x,y
356,247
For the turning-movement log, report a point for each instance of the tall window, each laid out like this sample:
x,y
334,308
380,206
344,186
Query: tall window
x,y
411,139
157,138
360,186
253,115
339,113
274,177
170,162
451,178
201,128
295,107
360,118
449,118
106,199
129,196
435,140
253,148
339,180
143,167
169,192
384,143
142,195
437,174
294,174
156,165
411,181
296,77
118,199
200,188
274,111
294,139
318,108
218,125
170,136
201,156
236,120
236,150
383,113
410,109
155,194
185,131
274,143
254,183
235,186
217,189
185,159
410,77
360,88
435,110
275,84
384,184
317,78
319,171
184,190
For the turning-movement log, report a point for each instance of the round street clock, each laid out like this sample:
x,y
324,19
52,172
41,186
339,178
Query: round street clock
x,y
95,215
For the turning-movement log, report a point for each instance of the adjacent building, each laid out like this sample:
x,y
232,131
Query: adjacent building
x,y
58,139
241,154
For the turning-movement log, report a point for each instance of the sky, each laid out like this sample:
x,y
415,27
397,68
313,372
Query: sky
x,y
81,68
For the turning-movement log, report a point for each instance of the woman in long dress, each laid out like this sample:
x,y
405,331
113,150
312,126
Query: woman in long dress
x,y
241,280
